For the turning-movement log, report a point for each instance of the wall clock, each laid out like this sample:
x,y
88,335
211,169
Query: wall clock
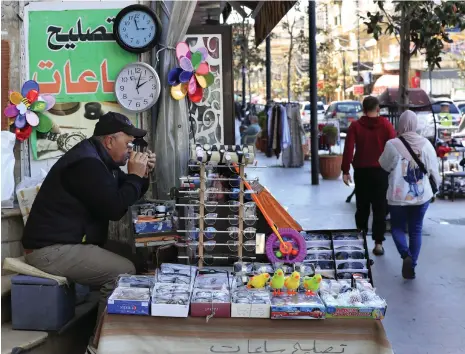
x,y
137,28
137,87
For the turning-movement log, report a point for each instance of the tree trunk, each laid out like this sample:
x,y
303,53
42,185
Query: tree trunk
x,y
404,69
289,62
250,86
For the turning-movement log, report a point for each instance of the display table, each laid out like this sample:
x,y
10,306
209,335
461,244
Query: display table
x,y
144,334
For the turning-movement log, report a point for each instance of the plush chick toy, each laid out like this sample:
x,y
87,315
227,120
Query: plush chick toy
x,y
312,284
258,281
292,283
277,282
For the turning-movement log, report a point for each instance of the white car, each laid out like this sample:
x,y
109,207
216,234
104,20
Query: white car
x,y
305,113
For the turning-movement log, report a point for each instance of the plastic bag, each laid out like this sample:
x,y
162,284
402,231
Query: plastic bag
x,y
26,192
8,166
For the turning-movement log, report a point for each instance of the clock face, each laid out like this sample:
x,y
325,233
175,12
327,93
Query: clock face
x,y
137,87
137,29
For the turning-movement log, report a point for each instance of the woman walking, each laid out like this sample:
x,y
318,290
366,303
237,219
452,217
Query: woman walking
x,y
410,189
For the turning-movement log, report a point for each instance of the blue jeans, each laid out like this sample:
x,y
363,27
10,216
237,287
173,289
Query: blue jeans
x,y
413,216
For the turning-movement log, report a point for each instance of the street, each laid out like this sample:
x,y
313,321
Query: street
x,y
424,316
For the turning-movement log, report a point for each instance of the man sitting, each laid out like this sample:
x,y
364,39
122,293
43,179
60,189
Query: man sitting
x,y
249,135
84,190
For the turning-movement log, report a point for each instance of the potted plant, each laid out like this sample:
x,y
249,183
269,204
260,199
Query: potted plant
x,y
330,164
262,141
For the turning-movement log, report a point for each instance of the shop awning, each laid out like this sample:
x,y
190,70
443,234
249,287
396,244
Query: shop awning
x,y
384,82
267,15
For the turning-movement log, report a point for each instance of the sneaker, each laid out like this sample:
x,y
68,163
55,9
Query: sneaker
x,y
91,349
408,272
378,250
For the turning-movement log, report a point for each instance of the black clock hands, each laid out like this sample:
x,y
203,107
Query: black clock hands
x,y
137,27
137,85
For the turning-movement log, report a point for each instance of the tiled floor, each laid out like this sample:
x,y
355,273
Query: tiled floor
x,y
426,315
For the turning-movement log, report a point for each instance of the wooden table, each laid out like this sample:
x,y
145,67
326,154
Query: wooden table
x,y
144,334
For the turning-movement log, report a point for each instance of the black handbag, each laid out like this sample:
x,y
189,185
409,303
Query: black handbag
x,y
420,164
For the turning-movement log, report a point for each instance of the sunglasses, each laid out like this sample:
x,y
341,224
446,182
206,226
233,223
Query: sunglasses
x,y
319,248
315,237
348,275
322,264
318,256
250,232
350,255
347,248
346,237
351,265
210,232
233,232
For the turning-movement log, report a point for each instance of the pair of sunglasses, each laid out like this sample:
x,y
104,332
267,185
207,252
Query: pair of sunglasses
x,y
349,255
351,265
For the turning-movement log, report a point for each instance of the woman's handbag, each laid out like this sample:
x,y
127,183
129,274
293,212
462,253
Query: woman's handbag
x,y
420,164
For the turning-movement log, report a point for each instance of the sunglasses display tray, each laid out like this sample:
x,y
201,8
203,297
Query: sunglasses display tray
x,y
152,218
129,301
352,299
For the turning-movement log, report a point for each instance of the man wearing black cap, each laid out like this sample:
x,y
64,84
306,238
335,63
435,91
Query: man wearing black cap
x,y
84,190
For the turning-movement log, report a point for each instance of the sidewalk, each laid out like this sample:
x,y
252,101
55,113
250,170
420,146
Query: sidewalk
x,y
424,316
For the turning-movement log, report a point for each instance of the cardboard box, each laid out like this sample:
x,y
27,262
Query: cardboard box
x,y
356,312
204,309
170,310
251,310
299,306
122,301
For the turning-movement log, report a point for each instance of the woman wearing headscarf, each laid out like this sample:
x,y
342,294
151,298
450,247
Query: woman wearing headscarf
x,y
410,190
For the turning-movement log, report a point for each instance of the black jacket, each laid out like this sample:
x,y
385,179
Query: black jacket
x,y
81,193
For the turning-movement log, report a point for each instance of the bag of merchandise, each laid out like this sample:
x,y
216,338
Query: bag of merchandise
x,y
26,192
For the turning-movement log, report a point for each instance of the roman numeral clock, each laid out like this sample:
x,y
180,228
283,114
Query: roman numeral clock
x,y
137,30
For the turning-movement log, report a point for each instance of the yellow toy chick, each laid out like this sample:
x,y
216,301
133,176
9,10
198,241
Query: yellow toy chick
x,y
292,283
312,284
258,281
277,282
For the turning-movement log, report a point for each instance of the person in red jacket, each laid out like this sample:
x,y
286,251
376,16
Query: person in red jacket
x,y
368,136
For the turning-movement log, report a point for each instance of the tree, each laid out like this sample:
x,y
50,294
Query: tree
x,y
245,53
289,24
326,67
421,28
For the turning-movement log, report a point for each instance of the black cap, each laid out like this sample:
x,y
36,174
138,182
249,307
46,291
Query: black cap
x,y
112,122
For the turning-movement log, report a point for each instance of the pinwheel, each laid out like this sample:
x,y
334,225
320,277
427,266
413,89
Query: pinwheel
x,y
193,75
25,110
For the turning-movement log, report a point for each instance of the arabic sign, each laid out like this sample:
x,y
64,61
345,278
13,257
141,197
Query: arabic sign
x,y
73,54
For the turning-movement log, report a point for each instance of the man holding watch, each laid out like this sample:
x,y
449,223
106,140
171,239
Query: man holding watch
x,y
85,189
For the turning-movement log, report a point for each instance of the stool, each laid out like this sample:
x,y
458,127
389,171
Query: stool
x,y
41,304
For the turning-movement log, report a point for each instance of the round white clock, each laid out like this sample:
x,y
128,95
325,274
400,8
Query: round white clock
x,y
137,87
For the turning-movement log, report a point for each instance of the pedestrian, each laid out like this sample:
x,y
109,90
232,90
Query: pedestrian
x,y
237,123
368,136
410,190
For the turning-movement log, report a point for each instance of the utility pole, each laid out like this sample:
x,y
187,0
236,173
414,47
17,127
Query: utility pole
x,y
344,73
244,42
268,69
313,93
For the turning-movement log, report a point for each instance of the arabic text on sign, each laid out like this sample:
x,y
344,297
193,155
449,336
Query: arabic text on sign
x,y
87,81
58,40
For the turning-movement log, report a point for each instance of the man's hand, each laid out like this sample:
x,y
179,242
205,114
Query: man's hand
x,y
347,179
137,164
150,162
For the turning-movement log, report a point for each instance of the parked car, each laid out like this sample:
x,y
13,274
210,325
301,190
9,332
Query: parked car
x,y
461,107
305,113
344,111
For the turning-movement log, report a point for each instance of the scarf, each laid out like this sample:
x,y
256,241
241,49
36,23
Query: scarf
x,y
407,128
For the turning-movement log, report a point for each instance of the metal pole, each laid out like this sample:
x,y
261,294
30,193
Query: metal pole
x,y
243,66
430,83
358,44
268,69
344,73
313,93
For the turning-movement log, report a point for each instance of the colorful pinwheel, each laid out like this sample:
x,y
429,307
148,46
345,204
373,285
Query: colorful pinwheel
x,y
24,110
193,76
